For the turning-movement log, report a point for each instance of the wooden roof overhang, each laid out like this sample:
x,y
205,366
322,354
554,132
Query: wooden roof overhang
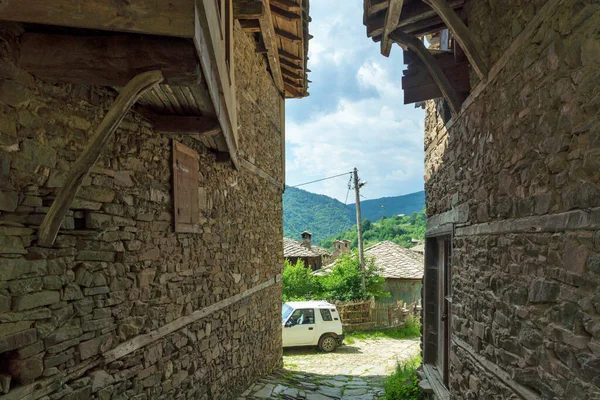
x,y
443,72
103,42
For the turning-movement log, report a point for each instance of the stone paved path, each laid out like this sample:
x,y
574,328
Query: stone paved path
x,y
352,372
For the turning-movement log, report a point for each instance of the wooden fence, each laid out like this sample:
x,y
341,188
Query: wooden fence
x,y
370,314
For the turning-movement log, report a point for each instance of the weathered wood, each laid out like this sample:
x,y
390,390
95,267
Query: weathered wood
x,y
254,169
411,13
289,65
79,170
293,83
290,57
377,6
186,216
208,42
248,9
108,60
250,25
287,35
270,40
293,91
434,69
462,35
280,12
291,74
288,5
181,124
154,17
392,16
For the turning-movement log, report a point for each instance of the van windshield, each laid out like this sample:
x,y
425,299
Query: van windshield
x,y
285,312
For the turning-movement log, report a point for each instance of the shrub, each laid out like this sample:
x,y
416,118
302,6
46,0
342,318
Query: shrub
x,y
298,283
403,384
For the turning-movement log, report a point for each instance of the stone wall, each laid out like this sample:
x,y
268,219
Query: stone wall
x,y
121,306
523,152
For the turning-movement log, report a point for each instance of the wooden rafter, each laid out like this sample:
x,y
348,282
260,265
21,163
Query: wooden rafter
x,y
289,5
182,124
290,65
392,16
291,74
280,12
462,36
248,9
411,42
250,25
287,35
79,170
270,41
290,57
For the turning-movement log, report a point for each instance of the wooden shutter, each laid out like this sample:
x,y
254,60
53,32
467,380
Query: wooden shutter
x,y
185,188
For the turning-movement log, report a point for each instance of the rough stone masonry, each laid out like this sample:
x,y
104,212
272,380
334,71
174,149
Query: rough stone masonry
x,y
520,167
123,307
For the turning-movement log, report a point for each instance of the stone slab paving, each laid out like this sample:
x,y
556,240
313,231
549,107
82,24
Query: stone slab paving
x,y
352,372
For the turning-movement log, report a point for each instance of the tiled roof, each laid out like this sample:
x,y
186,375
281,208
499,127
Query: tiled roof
x,y
396,261
393,260
293,248
420,248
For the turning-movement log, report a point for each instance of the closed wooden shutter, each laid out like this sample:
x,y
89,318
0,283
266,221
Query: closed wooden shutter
x,y
185,187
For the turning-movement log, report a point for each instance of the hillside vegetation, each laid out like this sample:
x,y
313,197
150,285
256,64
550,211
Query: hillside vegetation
x,y
326,217
396,229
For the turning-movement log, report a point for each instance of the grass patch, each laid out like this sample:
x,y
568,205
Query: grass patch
x,y
410,329
403,384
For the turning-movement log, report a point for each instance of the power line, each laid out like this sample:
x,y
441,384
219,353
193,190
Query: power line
x,y
323,179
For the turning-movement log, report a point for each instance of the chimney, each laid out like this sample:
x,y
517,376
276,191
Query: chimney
x,y
306,239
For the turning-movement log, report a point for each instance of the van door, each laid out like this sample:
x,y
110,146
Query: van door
x,y
299,329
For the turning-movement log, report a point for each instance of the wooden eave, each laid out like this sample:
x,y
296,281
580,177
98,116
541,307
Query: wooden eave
x,y
102,42
283,30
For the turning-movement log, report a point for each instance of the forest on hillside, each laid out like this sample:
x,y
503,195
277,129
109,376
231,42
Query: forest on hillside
x,y
398,229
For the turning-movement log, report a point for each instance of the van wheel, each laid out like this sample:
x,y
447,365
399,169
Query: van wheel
x,y
327,343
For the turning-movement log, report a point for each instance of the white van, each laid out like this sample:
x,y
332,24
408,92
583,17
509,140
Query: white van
x,y
311,323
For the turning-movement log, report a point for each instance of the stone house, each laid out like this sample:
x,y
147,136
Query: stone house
x,y
512,256
340,247
141,174
313,257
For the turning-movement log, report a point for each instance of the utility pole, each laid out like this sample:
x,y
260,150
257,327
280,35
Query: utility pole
x,y
361,258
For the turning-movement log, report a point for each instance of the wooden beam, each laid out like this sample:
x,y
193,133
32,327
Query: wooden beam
x,y
291,74
287,35
290,65
462,36
153,17
377,6
244,9
291,82
392,16
293,92
288,5
250,25
79,170
182,124
290,57
434,69
411,13
108,60
270,40
280,12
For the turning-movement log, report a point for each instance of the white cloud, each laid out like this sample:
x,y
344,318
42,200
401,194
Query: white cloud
x,y
355,115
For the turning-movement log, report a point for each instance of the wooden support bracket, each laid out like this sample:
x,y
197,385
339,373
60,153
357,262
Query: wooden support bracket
x,y
462,35
270,40
392,16
183,124
79,170
411,42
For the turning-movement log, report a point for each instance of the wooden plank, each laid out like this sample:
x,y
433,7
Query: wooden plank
x,y
207,40
392,16
292,91
244,9
250,25
107,60
179,124
293,83
290,57
411,13
153,17
434,69
79,170
376,6
462,35
186,213
280,12
289,65
287,35
291,74
270,41
288,5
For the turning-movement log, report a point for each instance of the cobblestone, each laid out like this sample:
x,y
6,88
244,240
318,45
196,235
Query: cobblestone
x,y
352,372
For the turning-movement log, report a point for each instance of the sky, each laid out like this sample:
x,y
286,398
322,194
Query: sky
x,y
354,116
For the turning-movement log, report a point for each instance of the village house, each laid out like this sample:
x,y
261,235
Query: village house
x,y
141,173
313,257
512,179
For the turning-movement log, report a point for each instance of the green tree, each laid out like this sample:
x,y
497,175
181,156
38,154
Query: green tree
x,y
298,283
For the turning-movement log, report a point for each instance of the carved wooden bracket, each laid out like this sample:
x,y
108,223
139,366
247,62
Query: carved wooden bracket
x,y
79,170
411,42
462,35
